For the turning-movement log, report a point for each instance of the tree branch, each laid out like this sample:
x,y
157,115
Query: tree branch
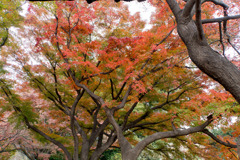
x,y
169,134
60,145
217,20
123,142
198,19
96,98
101,73
174,7
124,99
188,8
95,133
221,38
219,2
9,94
218,140
74,133
4,40
98,152
233,46
112,89
119,93
147,124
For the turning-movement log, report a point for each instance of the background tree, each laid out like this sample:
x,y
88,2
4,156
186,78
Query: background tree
x,y
19,140
9,12
94,67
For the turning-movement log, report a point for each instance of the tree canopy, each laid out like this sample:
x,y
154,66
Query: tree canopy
x,y
91,80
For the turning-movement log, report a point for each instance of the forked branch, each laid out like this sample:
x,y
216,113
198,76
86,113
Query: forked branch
x,y
188,8
123,142
129,153
170,134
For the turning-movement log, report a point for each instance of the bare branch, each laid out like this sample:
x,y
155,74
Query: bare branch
x,y
96,98
95,133
198,19
112,89
221,38
147,124
169,134
132,124
233,46
124,98
97,152
188,8
219,2
217,20
218,140
101,73
120,92
128,114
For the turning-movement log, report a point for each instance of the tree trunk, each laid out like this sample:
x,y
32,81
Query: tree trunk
x,y
207,60
84,151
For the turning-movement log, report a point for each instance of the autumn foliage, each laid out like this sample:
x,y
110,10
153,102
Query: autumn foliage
x,y
79,65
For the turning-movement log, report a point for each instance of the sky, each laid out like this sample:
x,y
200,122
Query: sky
x,y
145,9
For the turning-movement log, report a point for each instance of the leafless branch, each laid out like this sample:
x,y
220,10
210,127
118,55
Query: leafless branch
x,y
198,19
124,99
221,38
188,8
218,140
221,19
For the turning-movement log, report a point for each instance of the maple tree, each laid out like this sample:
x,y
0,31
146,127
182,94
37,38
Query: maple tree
x,y
191,32
94,80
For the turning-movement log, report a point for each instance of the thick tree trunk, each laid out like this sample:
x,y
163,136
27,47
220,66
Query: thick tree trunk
x,y
84,151
133,153
207,60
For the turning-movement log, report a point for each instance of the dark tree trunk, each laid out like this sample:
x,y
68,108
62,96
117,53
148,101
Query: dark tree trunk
x,y
84,151
207,60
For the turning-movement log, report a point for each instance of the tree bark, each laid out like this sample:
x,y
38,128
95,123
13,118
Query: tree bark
x,y
132,153
206,59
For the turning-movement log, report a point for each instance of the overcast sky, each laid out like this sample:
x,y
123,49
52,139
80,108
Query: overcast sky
x,y
144,8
